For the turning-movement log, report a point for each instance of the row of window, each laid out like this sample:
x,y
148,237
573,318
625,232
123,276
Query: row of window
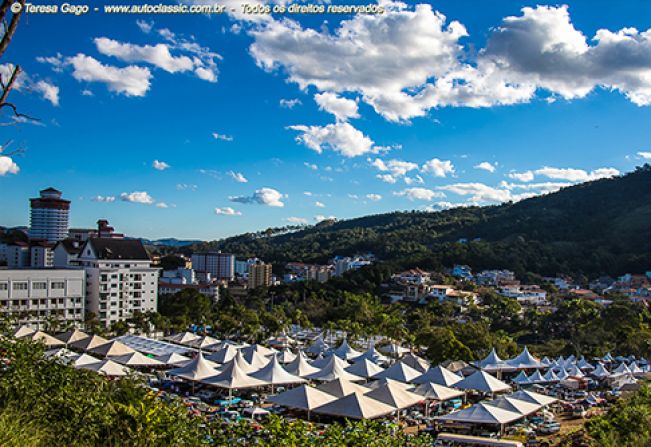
x,y
40,285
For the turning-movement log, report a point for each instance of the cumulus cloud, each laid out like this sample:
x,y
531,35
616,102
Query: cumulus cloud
x,y
8,166
237,176
374,197
162,205
486,166
130,81
387,178
160,165
438,168
342,108
290,103
479,192
296,220
49,91
222,137
145,26
158,55
137,197
26,83
227,211
419,194
262,196
645,155
339,137
576,175
525,176
312,166
104,199
319,204
186,187
320,218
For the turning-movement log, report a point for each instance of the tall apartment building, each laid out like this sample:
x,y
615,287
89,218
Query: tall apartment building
x,y
35,295
49,216
259,275
219,265
119,278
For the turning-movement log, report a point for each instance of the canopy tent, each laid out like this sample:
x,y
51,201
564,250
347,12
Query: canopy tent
x,y
241,363
84,359
493,362
183,338
341,388
482,413
355,406
635,369
545,361
64,354
254,357
459,367
378,383
318,346
575,371
255,411
258,349
136,359
233,378
364,368
418,363
150,346
394,349
525,361
395,396
530,396
438,375
483,382
373,355
89,343
173,359
622,369
107,368
323,361
521,379
437,392
303,397
562,374
515,405
551,376
72,336
345,351
398,371
608,358
195,370
206,343
300,366
111,348
281,341
537,377
23,331
224,355
584,365
285,356
275,374
47,339
333,370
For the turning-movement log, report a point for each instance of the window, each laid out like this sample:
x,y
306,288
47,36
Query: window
x,y
20,286
39,285
3,286
58,285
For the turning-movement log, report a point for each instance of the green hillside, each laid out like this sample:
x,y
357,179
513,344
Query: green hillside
x,y
600,227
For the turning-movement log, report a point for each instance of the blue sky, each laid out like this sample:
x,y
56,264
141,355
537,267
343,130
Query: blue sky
x,y
324,115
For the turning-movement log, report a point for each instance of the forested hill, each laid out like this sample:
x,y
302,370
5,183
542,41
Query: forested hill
x,y
600,227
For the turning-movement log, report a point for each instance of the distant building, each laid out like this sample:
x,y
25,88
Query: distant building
x,y
41,255
49,216
18,255
119,278
34,296
82,234
345,264
462,271
219,265
414,276
210,290
494,277
66,252
259,275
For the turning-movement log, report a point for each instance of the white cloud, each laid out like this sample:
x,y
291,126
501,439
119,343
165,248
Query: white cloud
x,y
227,211
48,91
321,218
397,168
438,168
57,62
440,206
186,187
290,103
312,166
24,82
387,178
541,188
296,220
262,196
158,55
486,166
419,194
342,108
525,176
137,197
160,165
8,166
130,81
374,197
415,180
162,205
340,137
308,193
645,155
237,176
576,175
319,204
105,199
222,137
145,26
479,192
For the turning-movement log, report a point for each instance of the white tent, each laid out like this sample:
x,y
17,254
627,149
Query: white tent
x,y
345,351
323,361
274,374
254,357
524,361
483,382
440,376
64,354
333,370
575,371
241,363
522,378
418,363
635,369
136,359
111,348
183,338
395,396
300,366
84,359
258,349
600,372
394,349
584,365
72,336
437,392
341,388
562,374
23,331
107,368
46,339
364,368
318,347
515,405
530,396
303,397
398,371
537,377
206,342
285,356
233,378
196,370
373,355
224,355
550,376
355,406
173,359
545,361
622,369
89,343
493,362
482,413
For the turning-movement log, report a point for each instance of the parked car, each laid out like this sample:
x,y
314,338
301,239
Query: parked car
x,y
547,428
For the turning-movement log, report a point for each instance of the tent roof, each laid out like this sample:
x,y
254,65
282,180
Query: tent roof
x,y
42,337
600,371
395,395
515,405
107,367
286,356
341,388
418,363
333,370
65,354
345,351
521,378
530,396
136,359
72,336
490,360
206,342
241,363
300,366
394,348
438,392
398,371
551,376
84,359
373,355
482,414
524,361
224,355
303,397
364,368
173,359
254,357
197,369
275,374
111,348
438,375
482,381
23,331
89,343
324,360
258,349
183,338
536,377
356,406
319,346
233,377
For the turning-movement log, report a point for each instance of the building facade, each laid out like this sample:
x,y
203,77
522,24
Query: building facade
x,y
35,296
49,216
221,266
259,275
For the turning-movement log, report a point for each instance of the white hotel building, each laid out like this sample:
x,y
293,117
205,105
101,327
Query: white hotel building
x,y
36,295
48,218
